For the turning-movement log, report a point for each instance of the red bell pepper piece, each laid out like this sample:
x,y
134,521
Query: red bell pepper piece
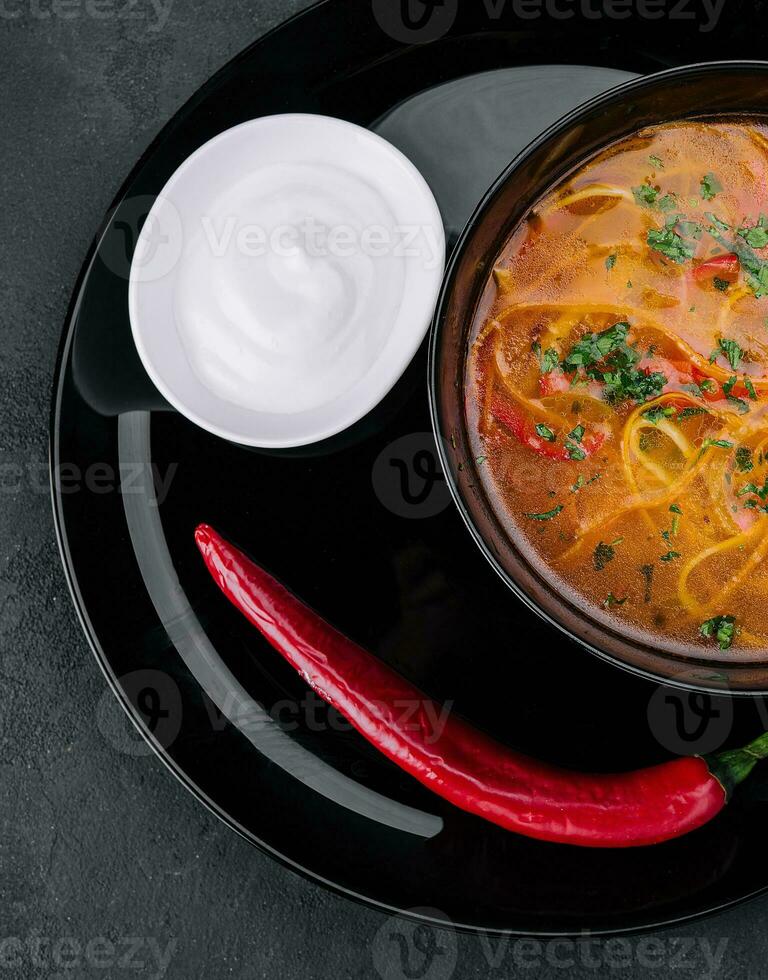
x,y
523,429
725,267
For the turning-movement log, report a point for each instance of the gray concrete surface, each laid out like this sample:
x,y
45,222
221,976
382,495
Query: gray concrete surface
x,y
108,867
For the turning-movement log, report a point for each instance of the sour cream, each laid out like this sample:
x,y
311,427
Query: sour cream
x,y
286,308
310,253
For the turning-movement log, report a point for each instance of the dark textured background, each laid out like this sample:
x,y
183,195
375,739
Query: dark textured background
x,y
96,843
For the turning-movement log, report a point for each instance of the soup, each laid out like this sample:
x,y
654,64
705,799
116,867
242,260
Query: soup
x,y
617,386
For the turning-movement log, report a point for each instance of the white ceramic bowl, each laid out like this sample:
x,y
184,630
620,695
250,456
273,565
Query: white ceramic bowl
x,y
188,199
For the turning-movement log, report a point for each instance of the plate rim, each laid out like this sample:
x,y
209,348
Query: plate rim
x,y
70,575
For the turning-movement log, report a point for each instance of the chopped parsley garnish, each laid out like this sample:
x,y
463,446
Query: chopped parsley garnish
x,y
730,350
720,284
757,236
548,359
607,357
761,492
667,203
605,553
717,223
669,243
547,515
755,268
611,601
675,509
545,432
577,434
690,412
575,452
659,412
720,443
750,389
581,482
645,195
744,461
593,347
710,186
670,556
721,628
610,262
655,162
480,460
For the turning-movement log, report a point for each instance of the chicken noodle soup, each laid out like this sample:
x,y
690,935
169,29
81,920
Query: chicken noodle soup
x,y
617,385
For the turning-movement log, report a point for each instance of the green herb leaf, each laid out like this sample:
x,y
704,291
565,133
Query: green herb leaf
x,y
667,203
744,461
655,162
690,411
669,243
645,195
720,443
547,515
548,360
613,601
720,284
675,509
604,553
670,556
659,412
545,432
756,237
719,225
610,262
710,186
577,434
721,628
575,452
731,350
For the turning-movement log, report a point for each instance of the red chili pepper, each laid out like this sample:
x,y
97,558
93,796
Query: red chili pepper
x,y
460,763
724,267
524,430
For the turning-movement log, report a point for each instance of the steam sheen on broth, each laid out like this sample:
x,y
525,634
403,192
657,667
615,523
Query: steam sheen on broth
x,y
617,385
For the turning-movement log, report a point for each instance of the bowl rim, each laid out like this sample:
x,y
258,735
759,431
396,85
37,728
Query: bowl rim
x,y
412,325
616,93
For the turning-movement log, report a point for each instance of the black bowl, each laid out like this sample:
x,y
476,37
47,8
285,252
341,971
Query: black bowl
x,y
713,89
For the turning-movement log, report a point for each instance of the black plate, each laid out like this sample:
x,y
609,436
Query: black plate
x,y
363,527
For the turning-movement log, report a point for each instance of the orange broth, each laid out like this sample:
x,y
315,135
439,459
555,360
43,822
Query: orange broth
x,y
617,384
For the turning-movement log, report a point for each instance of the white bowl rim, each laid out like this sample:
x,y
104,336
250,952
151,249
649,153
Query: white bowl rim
x,y
420,316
